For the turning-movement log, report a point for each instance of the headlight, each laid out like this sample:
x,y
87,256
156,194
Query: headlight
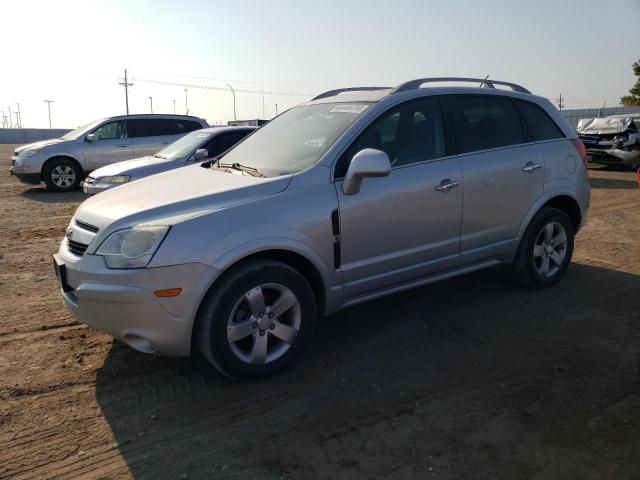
x,y
113,179
30,152
132,247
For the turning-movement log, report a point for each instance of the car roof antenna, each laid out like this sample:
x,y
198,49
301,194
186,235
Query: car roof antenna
x,y
482,82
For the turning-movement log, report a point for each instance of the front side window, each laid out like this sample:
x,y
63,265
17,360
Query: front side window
x,y
295,140
111,130
482,122
410,133
225,140
538,122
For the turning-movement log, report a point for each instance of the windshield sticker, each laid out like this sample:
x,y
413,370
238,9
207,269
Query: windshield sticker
x,y
349,108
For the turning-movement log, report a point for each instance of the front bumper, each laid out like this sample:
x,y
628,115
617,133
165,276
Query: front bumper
x,y
122,302
25,175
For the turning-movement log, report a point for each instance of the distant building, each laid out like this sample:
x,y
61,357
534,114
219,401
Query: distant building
x,y
247,123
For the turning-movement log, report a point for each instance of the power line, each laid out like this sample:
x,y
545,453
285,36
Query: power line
x,y
221,89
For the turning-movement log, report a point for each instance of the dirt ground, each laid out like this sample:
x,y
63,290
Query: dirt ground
x,y
470,378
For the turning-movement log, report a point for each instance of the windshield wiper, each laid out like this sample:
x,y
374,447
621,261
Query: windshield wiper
x,y
243,168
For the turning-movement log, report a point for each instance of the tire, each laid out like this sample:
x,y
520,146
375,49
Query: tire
x,y
542,258
233,335
62,175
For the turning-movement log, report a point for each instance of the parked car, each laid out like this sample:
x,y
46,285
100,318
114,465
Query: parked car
x,y
196,146
612,140
63,162
357,194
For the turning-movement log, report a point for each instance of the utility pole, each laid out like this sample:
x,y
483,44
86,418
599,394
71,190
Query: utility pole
x,y
263,102
276,109
18,116
10,117
151,103
4,119
126,86
560,104
174,106
49,102
234,101
186,103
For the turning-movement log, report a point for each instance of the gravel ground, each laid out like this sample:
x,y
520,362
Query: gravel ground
x,y
470,378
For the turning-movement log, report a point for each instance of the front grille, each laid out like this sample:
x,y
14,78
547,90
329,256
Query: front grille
x,y
13,162
76,248
87,226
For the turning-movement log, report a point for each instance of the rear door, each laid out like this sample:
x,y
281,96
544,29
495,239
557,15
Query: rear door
x,y
503,173
405,226
112,145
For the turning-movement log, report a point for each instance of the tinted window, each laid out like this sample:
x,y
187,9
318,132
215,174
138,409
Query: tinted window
x,y
224,141
111,130
179,127
539,124
412,132
482,122
147,127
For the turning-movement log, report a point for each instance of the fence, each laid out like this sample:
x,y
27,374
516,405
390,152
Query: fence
x,y
573,116
29,135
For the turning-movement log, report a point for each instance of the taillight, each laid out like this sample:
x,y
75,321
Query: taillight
x,y
582,151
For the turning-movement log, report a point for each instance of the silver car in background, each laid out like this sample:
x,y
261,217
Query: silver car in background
x,y
62,163
357,194
194,147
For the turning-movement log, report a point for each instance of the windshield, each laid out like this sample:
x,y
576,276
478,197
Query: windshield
x,y
296,139
78,132
184,146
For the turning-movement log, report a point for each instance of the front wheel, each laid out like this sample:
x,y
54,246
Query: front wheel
x,y
545,250
256,320
62,175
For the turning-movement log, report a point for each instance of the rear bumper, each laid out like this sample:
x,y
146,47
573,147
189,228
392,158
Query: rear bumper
x,y
122,302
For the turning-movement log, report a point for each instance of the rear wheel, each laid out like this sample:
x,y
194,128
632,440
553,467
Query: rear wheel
x,y
256,320
62,175
545,250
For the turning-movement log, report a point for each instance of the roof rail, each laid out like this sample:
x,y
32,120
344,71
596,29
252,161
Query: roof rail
x,y
331,93
413,84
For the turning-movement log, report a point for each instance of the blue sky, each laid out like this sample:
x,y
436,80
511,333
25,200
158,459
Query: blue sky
x,y
73,52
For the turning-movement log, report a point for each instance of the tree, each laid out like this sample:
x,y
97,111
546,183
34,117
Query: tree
x,y
633,100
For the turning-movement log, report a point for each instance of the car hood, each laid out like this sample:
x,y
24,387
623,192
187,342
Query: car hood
x,y
170,197
42,143
606,125
138,167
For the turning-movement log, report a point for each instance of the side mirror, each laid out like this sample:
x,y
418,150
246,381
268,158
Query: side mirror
x,y
200,154
366,163
91,137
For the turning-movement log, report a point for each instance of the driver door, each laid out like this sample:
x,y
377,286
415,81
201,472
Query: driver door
x,y
406,226
111,145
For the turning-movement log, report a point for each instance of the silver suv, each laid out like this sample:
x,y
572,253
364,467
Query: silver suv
x,y
359,193
63,162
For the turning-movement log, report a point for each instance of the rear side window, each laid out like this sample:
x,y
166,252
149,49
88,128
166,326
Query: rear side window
x,y
539,124
156,127
146,127
482,122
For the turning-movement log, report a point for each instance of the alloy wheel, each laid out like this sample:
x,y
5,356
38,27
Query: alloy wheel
x,y
63,176
264,323
550,249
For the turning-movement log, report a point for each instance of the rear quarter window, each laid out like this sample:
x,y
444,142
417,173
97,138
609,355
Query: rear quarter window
x,y
483,122
539,124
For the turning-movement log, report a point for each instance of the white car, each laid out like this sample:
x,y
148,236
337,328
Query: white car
x,y
196,146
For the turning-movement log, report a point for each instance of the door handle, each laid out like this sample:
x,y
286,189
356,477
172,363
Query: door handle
x,y
530,167
447,185
124,145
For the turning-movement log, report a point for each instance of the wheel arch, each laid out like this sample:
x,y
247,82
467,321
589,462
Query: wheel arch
x,y
64,156
296,260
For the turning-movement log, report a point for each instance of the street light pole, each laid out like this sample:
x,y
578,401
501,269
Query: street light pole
x,y
234,101
174,106
151,103
49,102
186,102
